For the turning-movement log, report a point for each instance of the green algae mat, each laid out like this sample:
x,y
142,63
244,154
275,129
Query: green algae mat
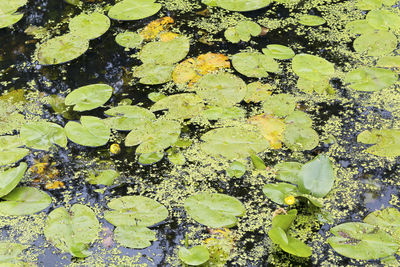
x,y
199,133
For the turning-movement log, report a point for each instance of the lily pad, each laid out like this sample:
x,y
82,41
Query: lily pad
x,y
383,19
154,136
370,79
239,5
133,9
42,135
106,177
221,89
257,92
89,26
278,192
92,131
362,241
10,151
196,255
9,6
278,51
311,20
233,142
389,62
377,43
388,218
242,31
9,19
223,113
312,67
9,252
288,243
387,142
299,118
214,210
300,138
254,64
288,171
165,53
271,128
61,49
180,106
129,39
135,211
373,4
72,231
127,117
150,158
236,169
24,201
10,178
89,97
280,105
150,73
134,236
320,86
360,26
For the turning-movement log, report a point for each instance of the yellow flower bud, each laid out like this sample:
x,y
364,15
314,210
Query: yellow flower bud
x,y
115,149
290,200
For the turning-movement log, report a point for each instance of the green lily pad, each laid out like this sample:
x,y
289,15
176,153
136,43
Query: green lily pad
x,y
359,27
89,26
129,39
370,79
150,73
373,4
388,218
10,151
389,62
387,142
92,131
278,192
299,118
135,211
258,163
236,169
316,177
362,241
254,64
278,51
9,252
377,43
154,136
242,31
299,138
311,20
233,142
72,231
127,117
150,158
175,157
214,210
223,113
89,97
134,236
133,9
238,5
180,106
288,171
383,19
9,19
196,255
288,243
257,92
61,49
156,96
165,53
42,135
320,86
106,177
9,6
24,201
10,178
312,67
284,221
280,105
221,89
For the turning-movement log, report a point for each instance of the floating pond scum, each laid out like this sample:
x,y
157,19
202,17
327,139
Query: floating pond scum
x,y
199,132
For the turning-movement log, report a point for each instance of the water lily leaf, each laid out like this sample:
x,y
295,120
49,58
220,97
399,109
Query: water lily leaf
x,y
106,177
42,135
223,113
10,178
9,6
258,163
254,64
135,211
196,255
312,67
134,236
165,53
280,105
373,4
214,210
278,192
236,169
9,151
370,79
9,19
278,51
221,89
180,106
239,5
89,97
299,118
362,241
300,138
377,43
257,92
150,73
61,49
92,131
387,142
311,20
24,201
129,39
360,26
150,158
89,26
271,128
316,177
383,19
284,221
389,62
388,218
320,86
175,157
233,142
318,202
288,171
127,117
156,96
9,252
288,243
154,136
156,28
65,229
133,9
242,31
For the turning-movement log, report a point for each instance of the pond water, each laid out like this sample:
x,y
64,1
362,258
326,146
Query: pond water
x,y
363,182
